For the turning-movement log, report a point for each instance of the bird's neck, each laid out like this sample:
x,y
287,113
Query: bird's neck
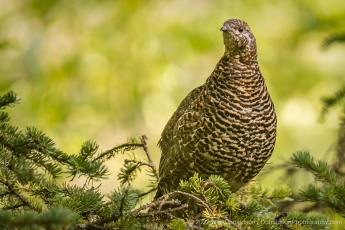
x,y
238,66
241,57
232,71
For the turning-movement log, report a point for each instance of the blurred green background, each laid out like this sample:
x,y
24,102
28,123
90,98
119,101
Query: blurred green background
x,y
108,70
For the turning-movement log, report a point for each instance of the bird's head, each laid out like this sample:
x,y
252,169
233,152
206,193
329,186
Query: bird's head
x,y
239,40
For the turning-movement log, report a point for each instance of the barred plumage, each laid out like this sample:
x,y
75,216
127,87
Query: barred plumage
x,y
227,126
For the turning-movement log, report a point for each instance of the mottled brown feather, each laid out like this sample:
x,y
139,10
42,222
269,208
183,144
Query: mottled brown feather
x,y
227,126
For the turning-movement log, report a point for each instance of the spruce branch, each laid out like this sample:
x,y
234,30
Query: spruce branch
x,y
132,145
83,164
118,149
332,194
28,157
331,101
8,99
206,205
339,162
129,171
136,213
122,202
25,202
132,167
333,39
318,168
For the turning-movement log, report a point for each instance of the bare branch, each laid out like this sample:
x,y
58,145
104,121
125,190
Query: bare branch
x,y
124,147
167,211
151,163
210,209
140,163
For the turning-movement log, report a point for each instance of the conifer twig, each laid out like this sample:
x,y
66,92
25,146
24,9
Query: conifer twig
x,y
148,192
231,222
13,207
139,163
151,163
4,194
138,213
167,211
202,189
20,197
166,196
284,214
123,201
116,149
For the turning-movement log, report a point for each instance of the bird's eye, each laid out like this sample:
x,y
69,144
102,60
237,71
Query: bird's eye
x,y
240,29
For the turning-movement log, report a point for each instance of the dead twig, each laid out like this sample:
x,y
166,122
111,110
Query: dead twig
x,y
151,163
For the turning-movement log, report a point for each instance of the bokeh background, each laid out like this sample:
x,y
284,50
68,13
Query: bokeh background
x,y
109,70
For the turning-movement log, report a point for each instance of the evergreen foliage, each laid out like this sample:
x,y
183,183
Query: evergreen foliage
x,y
333,39
332,193
31,196
329,103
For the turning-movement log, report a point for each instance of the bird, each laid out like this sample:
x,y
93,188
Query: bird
x,y
227,126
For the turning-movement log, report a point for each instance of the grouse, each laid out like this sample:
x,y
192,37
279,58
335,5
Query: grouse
x,y
227,126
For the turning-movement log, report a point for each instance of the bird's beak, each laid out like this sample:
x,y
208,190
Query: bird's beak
x,y
223,28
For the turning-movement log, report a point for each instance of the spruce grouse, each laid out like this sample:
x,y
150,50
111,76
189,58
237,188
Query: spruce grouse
x,y
227,126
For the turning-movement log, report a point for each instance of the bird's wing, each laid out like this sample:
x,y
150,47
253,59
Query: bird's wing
x,y
167,134
172,159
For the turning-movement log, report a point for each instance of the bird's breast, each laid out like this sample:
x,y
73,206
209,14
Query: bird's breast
x,y
242,118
